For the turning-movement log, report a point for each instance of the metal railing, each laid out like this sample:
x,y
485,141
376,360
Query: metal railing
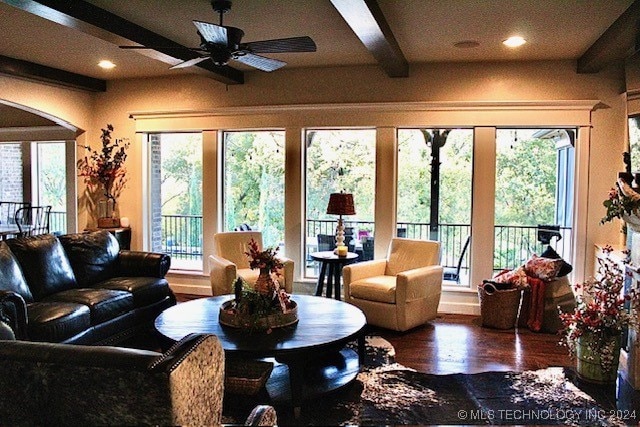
x,y
182,236
58,222
514,244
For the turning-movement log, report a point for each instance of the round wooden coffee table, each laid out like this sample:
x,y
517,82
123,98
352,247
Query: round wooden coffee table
x,y
313,349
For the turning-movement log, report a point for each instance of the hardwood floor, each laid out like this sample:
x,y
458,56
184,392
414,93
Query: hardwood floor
x,y
455,343
458,343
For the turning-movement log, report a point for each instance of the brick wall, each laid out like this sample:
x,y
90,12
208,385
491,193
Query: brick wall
x,y
11,183
156,199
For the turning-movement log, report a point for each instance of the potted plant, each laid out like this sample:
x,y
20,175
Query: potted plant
x,y
105,175
623,202
262,305
593,331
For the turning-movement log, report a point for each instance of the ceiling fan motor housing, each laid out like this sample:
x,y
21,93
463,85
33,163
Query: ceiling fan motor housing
x,y
221,6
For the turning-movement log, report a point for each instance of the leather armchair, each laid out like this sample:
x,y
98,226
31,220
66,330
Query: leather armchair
x,y
230,262
401,291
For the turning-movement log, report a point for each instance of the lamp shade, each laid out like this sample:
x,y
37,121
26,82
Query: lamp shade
x,y
341,204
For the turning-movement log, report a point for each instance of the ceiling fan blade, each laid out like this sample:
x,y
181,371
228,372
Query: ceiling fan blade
x,y
291,44
189,63
260,62
211,32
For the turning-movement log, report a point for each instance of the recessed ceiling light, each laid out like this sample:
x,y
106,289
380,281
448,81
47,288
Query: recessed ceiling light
x,y
106,64
514,41
466,44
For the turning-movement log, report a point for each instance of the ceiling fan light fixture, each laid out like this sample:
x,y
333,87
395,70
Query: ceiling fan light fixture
x,y
515,41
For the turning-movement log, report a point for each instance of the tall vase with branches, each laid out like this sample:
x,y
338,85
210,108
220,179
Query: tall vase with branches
x,y
103,170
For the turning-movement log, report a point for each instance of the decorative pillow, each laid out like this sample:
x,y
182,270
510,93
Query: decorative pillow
x,y
517,278
551,253
543,268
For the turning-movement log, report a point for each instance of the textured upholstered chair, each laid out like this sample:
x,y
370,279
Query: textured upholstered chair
x,y
401,291
229,262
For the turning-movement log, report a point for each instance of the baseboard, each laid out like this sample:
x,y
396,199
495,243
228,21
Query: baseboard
x,y
459,308
180,288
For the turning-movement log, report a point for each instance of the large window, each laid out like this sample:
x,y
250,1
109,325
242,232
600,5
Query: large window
x,y
340,160
434,193
51,188
534,182
254,183
176,184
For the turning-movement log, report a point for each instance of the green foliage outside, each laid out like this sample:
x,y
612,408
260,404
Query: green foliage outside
x,y
52,179
341,160
254,183
414,176
344,160
181,191
525,180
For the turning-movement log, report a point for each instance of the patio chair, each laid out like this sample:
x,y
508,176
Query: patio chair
x,y
453,273
326,242
401,291
230,262
8,211
33,220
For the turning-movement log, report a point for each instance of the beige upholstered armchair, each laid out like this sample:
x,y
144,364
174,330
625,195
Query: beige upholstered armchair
x,y
401,291
230,262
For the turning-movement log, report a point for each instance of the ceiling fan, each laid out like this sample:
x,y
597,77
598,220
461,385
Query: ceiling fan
x,y
222,44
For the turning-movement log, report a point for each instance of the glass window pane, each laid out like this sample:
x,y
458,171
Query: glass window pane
x,y
340,160
254,183
180,197
534,181
434,193
51,183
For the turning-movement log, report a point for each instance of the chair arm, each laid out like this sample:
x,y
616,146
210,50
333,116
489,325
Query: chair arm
x,y
196,366
262,415
362,270
143,264
287,274
13,312
418,283
222,274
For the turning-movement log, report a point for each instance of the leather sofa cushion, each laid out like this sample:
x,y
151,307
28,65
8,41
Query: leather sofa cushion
x,y
376,288
105,304
93,256
11,277
44,264
56,321
145,290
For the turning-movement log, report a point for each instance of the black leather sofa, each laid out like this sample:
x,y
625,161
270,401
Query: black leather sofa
x,y
80,288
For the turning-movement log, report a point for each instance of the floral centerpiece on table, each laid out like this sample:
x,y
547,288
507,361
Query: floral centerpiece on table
x,y
623,202
261,305
600,315
103,170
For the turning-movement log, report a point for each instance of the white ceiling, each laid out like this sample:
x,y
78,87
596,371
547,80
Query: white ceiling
x,y
425,30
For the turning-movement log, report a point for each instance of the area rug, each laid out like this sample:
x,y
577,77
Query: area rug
x,y
387,393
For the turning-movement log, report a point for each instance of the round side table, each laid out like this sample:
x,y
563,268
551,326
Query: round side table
x,y
334,264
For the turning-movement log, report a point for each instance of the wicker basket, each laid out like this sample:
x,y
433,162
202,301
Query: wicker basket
x,y
498,308
246,377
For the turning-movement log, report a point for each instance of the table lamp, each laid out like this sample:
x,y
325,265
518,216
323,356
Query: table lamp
x,y
340,204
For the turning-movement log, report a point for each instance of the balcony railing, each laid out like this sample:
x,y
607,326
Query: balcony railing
x,y
58,222
182,236
182,239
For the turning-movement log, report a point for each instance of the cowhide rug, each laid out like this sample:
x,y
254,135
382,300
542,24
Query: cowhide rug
x,y
387,393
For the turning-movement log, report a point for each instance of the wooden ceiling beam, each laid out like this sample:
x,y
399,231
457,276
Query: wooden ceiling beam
x,y
90,19
368,22
617,43
41,73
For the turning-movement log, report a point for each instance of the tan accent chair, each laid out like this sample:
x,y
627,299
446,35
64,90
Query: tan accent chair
x,y
401,291
230,261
